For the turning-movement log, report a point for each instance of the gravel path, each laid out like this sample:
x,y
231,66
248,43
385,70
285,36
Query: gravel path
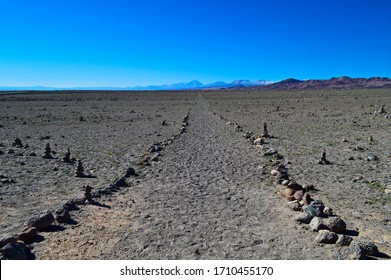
x,y
206,198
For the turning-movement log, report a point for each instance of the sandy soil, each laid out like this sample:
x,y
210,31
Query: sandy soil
x,y
210,195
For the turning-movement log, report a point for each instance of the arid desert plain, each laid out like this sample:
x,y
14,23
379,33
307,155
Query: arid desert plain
x,y
194,174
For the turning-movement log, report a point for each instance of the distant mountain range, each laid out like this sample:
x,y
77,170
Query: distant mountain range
x,y
192,85
339,83
335,83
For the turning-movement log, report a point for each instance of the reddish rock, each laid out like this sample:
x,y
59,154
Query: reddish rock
x,y
306,199
288,192
299,195
294,205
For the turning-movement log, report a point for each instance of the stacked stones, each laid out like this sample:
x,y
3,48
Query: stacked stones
x,y
79,172
13,247
48,152
67,157
320,218
185,123
155,149
17,143
323,160
87,193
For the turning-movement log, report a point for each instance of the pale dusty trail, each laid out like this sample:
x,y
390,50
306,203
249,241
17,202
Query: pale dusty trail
x,y
206,198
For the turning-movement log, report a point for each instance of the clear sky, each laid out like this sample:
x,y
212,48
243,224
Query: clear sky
x,y
126,43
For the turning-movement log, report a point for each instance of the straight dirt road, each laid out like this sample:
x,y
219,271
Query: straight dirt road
x,y
206,198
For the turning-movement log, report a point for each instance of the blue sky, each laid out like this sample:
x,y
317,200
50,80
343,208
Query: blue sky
x,y
126,43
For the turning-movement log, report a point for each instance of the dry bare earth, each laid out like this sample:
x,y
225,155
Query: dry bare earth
x,y
116,130
209,196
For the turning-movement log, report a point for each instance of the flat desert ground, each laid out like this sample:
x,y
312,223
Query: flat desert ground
x,y
208,193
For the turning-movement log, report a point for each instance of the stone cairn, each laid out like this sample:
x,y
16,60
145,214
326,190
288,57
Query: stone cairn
x,y
155,149
17,143
323,160
48,152
265,133
320,218
79,170
87,193
382,111
67,157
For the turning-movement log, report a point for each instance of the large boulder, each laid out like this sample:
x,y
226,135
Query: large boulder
x,y
318,204
14,251
311,211
295,186
130,172
299,195
288,192
326,236
294,205
42,221
335,224
353,252
304,218
369,248
344,240
28,233
62,215
306,199
4,240
317,224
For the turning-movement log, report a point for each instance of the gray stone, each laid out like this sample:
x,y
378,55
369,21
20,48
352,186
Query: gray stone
x,y
270,152
285,182
14,251
311,211
42,221
130,172
369,248
372,158
335,224
344,240
318,204
294,205
326,236
317,224
121,183
62,215
304,218
353,252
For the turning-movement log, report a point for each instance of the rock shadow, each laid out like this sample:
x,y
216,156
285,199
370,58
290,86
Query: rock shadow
x,y
96,203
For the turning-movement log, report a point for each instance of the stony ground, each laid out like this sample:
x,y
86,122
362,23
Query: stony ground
x,y
210,195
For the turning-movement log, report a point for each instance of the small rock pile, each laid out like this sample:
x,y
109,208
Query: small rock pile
x,y
13,247
48,152
5,179
79,172
323,160
331,228
17,143
155,149
67,157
